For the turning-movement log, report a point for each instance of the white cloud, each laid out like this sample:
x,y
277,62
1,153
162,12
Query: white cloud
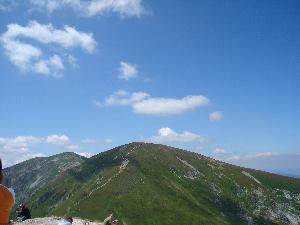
x,y
122,97
20,54
143,103
19,143
168,106
124,8
14,150
28,57
127,71
58,139
219,151
52,65
85,154
215,116
166,134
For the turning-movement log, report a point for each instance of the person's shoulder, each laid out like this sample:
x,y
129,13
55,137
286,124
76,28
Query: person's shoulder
x,y
4,188
8,191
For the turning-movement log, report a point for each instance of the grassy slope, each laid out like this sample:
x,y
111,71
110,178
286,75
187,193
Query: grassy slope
x,y
153,190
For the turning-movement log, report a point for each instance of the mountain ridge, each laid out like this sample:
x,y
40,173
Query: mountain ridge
x,y
156,184
26,177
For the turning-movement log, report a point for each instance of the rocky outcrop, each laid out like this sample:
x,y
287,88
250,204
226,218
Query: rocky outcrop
x,y
54,221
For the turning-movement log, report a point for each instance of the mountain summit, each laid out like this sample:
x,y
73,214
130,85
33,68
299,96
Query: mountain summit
x,y
153,184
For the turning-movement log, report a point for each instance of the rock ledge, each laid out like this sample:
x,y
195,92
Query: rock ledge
x,y
54,221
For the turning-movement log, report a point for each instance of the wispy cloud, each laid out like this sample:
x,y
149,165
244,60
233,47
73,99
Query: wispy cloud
x,y
89,8
240,157
29,57
215,116
166,134
127,71
143,103
124,98
267,161
224,155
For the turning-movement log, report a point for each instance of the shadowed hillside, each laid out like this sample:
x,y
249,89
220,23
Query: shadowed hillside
x,y
33,174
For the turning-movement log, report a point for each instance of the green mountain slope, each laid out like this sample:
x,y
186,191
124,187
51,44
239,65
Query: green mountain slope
x,y
31,175
158,185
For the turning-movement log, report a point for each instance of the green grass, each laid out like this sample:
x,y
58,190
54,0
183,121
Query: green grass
x,y
153,189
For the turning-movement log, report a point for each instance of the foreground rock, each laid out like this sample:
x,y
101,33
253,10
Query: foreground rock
x,y
54,221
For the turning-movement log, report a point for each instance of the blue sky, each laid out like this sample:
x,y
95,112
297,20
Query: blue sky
x,y
87,76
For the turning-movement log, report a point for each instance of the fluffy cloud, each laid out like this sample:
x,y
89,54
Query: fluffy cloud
x,y
127,71
18,144
54,63
28,57
167,106
143,103
166,134
90,8
58,139
215,116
